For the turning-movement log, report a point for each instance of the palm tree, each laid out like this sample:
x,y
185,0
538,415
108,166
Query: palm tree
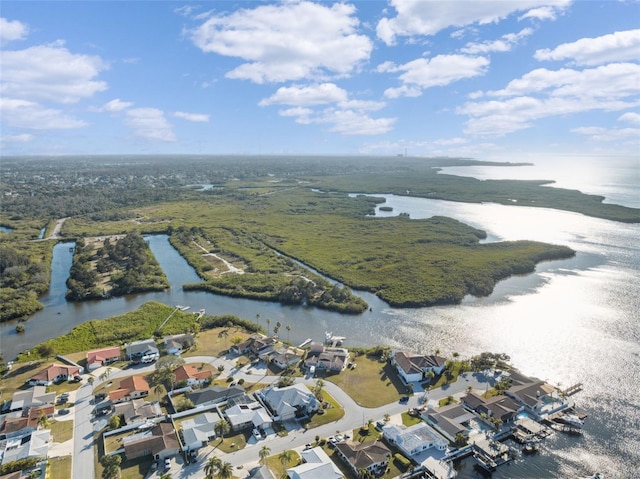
x,y
222,427
108,371
263,454
91,380
285,457
211,467
158,390
43,422
288,331
318,389
225,471
268,325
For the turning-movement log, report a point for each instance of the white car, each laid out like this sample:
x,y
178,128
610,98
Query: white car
x,y
257,434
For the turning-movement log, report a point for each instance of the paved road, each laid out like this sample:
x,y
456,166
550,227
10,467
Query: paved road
x,y
82,461
355,415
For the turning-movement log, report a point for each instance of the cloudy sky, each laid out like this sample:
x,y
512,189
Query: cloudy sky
x,y
471,78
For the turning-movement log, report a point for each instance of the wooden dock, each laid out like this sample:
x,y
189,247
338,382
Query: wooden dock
x,y
571,390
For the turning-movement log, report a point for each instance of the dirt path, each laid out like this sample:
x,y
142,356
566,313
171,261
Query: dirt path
x,y
55,234
230,268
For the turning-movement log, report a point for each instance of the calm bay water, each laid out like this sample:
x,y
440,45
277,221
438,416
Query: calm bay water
x,y
571,321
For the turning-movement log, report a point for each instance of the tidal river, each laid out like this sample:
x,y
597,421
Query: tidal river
x,y
571,321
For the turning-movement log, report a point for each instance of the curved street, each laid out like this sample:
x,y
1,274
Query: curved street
x,y
247,458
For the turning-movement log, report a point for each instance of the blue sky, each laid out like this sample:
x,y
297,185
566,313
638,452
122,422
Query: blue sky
x,y
483,79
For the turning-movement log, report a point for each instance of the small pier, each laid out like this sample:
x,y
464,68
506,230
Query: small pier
x,y
332,340
571,390
305,342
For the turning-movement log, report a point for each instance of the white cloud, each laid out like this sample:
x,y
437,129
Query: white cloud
x,y
596,133
544,93
437,71
149,123
614,47
291,41
300,114
504,44
50,73
630,117
617,80
115,105
18,113
428,17
320,94
402,91
20,138
350,122
541,13
11,30
195,117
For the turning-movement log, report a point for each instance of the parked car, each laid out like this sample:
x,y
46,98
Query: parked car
x,y
167,463
257,434
63,412
404,399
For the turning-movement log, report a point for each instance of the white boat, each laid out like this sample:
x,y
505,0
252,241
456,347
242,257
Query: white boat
x,y
573,420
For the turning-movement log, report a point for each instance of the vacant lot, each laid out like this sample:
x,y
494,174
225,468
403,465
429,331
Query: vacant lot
x,y
371,384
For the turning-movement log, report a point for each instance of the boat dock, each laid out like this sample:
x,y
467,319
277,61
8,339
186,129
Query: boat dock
x,y
332,340
571,390
305,342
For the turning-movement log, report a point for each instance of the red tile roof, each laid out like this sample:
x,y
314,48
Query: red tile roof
x,y
104,354
185,372
54,371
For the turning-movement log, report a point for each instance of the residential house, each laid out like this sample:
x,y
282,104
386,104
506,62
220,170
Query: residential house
x,y
498,407
449,420
414,367
214,395
286,356
54,374
538,397
289,402
414,439
244,416
102,357
33,446
373,456
178,343
138,349
315,465
132,387
321,357
159,442
261,472
138,410
198,431
23,423
36,396
191,376
257,345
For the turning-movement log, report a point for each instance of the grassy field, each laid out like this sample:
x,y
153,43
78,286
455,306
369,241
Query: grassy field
x,y
61,430
279,467
60,467
331,414
213,342
371,384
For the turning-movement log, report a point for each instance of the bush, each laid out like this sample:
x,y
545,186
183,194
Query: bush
x,y
402,462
